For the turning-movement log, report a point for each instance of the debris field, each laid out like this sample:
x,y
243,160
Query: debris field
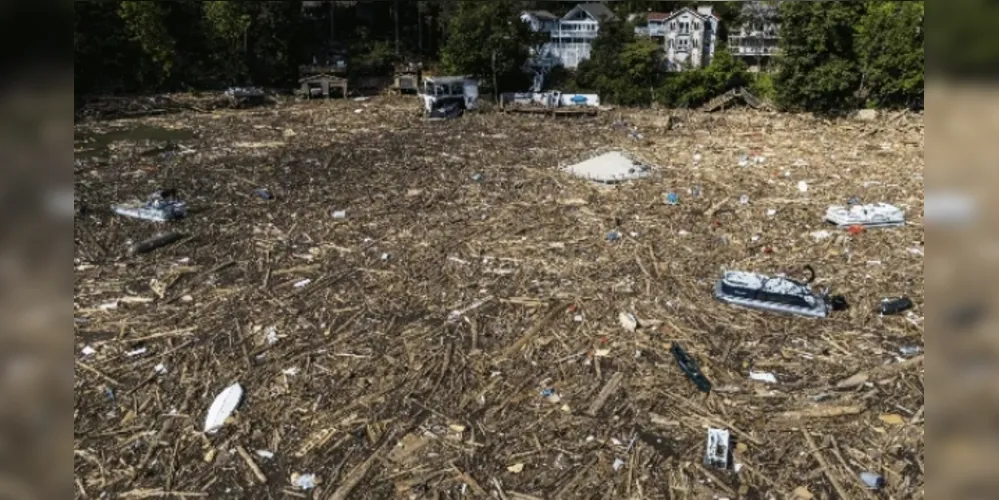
x,y
435,309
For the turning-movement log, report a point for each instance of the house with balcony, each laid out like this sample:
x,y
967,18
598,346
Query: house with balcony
x,y
570,35
653,25
689,37
756,40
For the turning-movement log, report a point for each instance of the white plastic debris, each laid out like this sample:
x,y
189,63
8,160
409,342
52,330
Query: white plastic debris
x,y
222,407
763,377
578,318
771,212
717,452
802,186
136,352
271,335
872,480
302,283
820,235
160,369
304,481
110,306
744,199
618,463
628,321
340,214
88,351
698,157
609,168
291,371
265,454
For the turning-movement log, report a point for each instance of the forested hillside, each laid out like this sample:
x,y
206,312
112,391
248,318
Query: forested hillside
x,y
836,55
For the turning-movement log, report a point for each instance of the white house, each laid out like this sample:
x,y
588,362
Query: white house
x,y
571,35
690,37
758,37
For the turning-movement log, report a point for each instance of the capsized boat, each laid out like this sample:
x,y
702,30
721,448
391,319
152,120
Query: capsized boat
x,y
871,215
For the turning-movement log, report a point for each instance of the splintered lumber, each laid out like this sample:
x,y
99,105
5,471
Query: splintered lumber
x,y
862,378
388,332
823,412
604,394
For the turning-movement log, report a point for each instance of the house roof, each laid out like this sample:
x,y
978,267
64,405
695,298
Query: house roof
x,y
694,12
542,14
658,16
596,10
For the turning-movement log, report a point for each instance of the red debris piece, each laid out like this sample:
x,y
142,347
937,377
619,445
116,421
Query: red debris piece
x,y
855,229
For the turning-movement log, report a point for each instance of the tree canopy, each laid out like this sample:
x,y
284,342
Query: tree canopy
x,y
835,56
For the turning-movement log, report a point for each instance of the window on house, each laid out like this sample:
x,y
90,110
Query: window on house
x,y
671,43
697,25
672,25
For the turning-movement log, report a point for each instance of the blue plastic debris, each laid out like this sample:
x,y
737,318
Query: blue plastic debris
x,y
264,193
547,392
872,480
477,177
672,198
613,236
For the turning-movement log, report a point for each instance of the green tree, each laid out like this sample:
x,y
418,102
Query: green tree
x,y
488,37
228,24
818,68
621,68
276,42
145,24
694,87
103,54
890,46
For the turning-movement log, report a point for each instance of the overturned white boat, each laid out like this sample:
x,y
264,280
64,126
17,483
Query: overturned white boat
x,y
872,215
776,294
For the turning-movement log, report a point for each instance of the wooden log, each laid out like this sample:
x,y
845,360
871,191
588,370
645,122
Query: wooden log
x,y
158,241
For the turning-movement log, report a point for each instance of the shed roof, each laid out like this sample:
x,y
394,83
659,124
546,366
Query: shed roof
x,y
657,16
446,79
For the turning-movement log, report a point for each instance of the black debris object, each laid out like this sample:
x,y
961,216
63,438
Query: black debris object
x,y
838,303
690,368
158,241
895,306
664,447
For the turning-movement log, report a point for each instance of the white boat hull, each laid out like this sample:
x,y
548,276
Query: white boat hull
x,y
821,309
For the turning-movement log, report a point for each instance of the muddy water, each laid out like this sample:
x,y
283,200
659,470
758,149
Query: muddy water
x,y
89,144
